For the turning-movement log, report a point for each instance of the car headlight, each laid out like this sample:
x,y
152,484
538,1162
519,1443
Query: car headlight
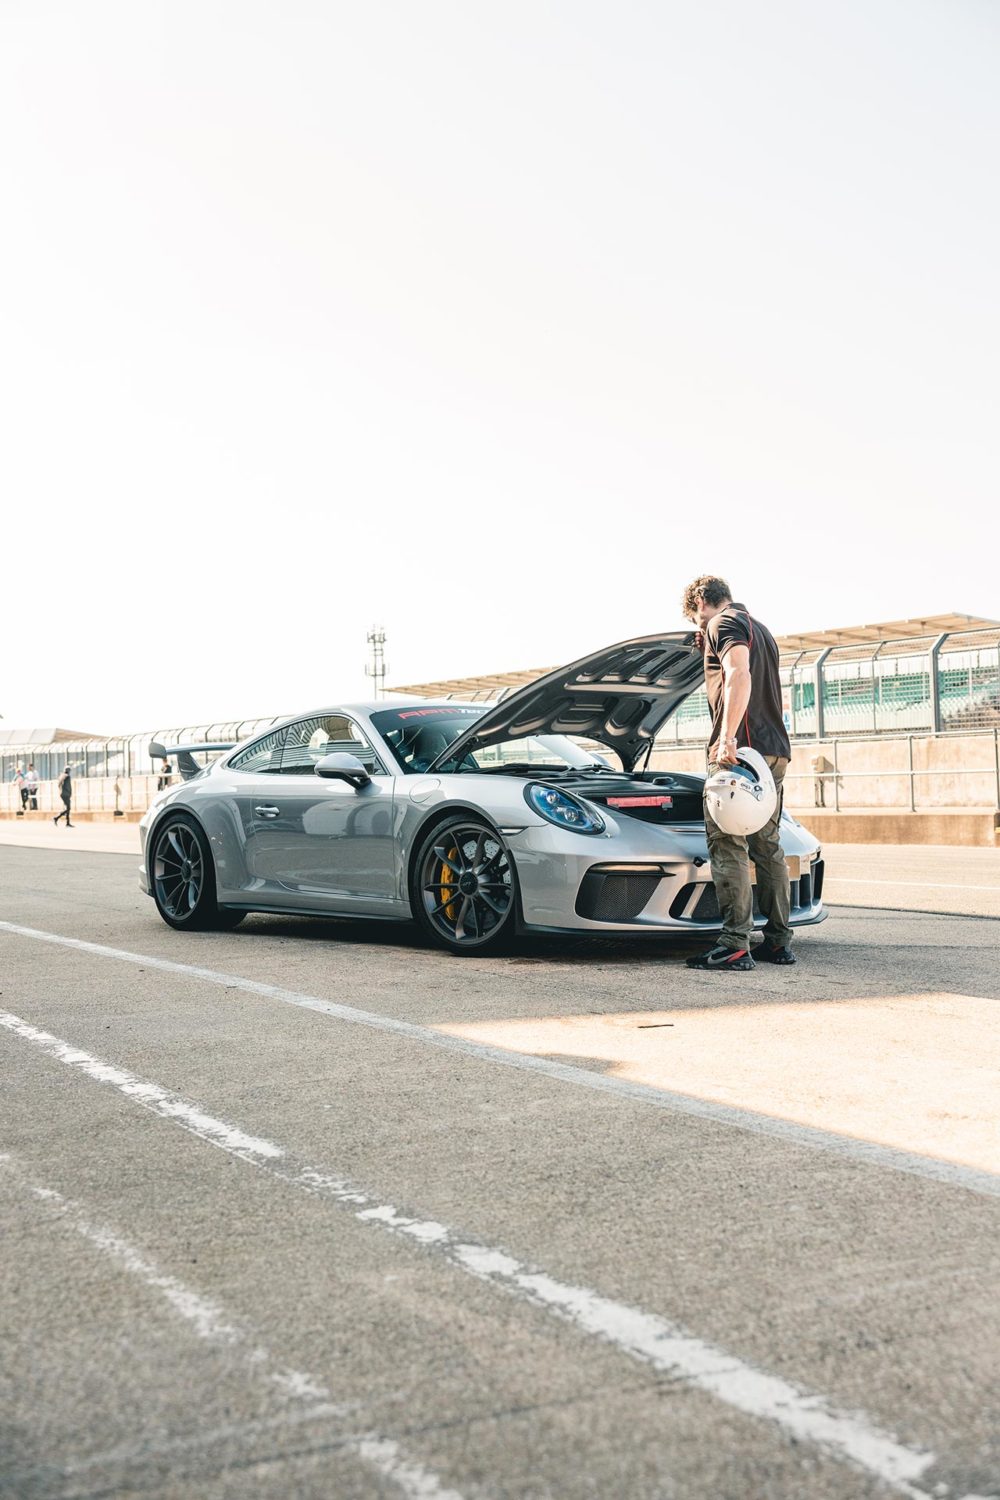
x,y
562,810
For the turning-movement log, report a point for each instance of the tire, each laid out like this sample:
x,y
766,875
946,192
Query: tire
x,y
182,878
482,918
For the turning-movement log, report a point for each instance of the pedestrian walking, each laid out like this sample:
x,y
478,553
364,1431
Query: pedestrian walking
x,y
66,793
744,696
22,790
163,780
31,785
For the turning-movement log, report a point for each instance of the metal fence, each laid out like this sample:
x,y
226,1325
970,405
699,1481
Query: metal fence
x,y
930,684
922,774
124,760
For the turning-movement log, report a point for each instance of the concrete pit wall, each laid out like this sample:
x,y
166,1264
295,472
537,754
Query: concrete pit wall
x,y
957,773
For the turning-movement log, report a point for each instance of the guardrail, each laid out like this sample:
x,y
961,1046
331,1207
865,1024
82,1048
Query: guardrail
x,y
834,778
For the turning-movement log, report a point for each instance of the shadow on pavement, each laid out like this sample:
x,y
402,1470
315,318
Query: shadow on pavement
x,y
541,949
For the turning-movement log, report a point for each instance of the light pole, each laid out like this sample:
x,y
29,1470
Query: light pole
x,y
376,668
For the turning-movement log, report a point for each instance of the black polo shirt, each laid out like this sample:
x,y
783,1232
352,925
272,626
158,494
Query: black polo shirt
x,y
763,726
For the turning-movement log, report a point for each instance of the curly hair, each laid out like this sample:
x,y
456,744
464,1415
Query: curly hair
x,y
709,588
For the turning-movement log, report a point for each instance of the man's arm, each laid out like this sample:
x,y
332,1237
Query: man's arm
x,y
736,698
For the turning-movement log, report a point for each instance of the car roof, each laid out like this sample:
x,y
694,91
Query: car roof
x,y
372,706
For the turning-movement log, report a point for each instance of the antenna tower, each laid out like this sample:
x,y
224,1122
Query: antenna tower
x,y
376,668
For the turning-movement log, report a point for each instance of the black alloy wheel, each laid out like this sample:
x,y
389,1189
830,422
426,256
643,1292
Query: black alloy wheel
x,y
464,891
183,879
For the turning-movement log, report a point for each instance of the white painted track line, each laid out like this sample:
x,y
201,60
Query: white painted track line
x,y
922,885
147,1094
807,1416
209,1321
870,1153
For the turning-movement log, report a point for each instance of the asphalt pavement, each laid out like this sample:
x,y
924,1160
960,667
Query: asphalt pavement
x,y
311,1209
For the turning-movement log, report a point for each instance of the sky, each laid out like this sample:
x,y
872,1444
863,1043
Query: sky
x,y
494,324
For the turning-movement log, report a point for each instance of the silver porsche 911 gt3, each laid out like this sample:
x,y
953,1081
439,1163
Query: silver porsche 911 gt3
x,y
476,822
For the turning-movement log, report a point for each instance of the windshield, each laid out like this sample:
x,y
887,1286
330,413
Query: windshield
x,y
417,736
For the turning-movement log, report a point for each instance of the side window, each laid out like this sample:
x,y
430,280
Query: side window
x,y
262,755
311,739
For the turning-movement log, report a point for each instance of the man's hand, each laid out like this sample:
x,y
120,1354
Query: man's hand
x,y
723,753
699,641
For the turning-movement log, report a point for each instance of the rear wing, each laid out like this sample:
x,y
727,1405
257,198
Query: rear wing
x,y
184,755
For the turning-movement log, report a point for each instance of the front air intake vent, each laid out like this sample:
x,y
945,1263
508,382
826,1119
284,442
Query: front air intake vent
x,y
802,893
615,895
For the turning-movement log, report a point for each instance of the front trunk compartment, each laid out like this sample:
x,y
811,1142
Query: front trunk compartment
x,y
658,797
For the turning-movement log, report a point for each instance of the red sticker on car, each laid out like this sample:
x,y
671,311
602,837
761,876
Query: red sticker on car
x,y
640,801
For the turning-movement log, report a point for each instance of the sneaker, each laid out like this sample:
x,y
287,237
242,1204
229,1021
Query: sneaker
x,y
767,953
720,957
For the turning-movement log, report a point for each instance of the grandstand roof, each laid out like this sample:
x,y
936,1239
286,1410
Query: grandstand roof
x,y
483,688
888,630
43,736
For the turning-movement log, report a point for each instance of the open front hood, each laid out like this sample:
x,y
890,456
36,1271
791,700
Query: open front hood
x,y
620,696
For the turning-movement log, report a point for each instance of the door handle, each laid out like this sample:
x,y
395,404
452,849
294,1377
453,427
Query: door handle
x,y
268,812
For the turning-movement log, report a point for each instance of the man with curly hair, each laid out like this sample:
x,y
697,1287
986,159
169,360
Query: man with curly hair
x,y
744,696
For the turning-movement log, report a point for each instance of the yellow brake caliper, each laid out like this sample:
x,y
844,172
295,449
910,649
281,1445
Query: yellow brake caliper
x,y
447,885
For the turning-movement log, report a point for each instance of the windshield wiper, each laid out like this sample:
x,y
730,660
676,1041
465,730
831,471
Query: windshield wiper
x,y
530,768
526,768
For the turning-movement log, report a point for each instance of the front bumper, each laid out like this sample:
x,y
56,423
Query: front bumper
x,y
643,879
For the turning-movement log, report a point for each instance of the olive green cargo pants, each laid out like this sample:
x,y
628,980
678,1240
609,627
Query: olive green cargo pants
x,y
730,856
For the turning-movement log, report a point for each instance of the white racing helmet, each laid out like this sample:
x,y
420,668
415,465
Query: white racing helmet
x,y
742,798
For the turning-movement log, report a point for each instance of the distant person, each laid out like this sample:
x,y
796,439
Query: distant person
x,y
66,793
22,790
820,766
31,786
164,778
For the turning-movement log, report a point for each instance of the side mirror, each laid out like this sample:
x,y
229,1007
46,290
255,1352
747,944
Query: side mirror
x,y
343,768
